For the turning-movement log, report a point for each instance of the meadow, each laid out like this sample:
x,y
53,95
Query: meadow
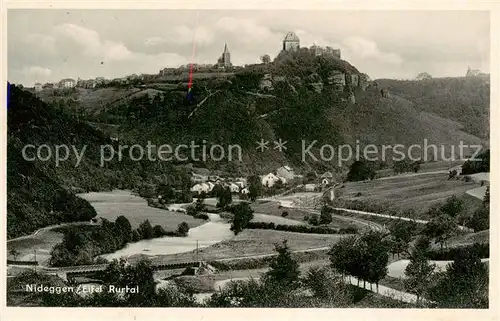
x,y
402,194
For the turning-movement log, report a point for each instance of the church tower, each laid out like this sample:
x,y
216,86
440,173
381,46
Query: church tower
x,y
225,60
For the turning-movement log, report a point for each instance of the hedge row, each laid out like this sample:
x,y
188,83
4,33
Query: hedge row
x,y
300,228
483,249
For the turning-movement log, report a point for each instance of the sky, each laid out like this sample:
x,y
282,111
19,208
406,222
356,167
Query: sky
x,y
49,45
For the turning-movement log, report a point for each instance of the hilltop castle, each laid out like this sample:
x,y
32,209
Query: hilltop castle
x,y
292,43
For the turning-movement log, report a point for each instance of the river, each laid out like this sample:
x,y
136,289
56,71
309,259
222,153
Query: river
x,y
209,233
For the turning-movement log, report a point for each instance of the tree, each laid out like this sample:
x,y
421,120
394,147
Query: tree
x,y
423,76
422,244
283,270
136,236
465,282
419,273
191,210
360,170
159,231
200,203
183,229
265,59
441,227
166,192
123,228
480,219
374,257
254,187
341,255
243,214
326,215
453,206
402,232
146,230
314,220
225,198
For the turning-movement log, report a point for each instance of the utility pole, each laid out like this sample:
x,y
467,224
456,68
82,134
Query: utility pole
x,y
197,259
34,251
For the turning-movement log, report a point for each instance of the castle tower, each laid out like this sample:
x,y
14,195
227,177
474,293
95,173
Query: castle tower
x,y
291,42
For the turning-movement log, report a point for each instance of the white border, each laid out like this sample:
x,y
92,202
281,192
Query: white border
x,y
266,314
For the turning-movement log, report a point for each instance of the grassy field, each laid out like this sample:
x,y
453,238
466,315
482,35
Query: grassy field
x,y
113,204
275,219
38,245
274,209
255,242
405,193
425,167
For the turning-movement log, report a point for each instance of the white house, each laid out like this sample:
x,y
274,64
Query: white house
x,y
245,191
203,187
38,87
234,188
197,178
67,83
241,184
269,180
285,172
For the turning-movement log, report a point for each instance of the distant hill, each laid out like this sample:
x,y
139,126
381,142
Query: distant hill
x,y
227,110
463,99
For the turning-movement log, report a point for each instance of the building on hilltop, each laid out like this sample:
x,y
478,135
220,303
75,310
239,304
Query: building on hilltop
x,y
327,51
472,72
38,87
224,61
67,83
475,73
291,42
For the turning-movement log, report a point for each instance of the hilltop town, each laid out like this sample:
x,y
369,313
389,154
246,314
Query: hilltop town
x,y
222,67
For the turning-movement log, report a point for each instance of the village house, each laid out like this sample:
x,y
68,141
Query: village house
x,y
197,178
38,87
203,187
269,180
234,188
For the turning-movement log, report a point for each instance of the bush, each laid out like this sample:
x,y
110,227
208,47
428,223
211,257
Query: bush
x,y
183,229
202,216
284,214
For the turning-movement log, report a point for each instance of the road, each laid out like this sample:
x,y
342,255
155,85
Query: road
x,y
46,229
